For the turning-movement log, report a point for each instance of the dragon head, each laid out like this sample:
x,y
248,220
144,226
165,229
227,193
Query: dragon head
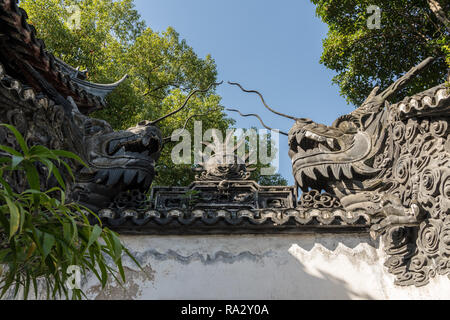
x,y
372,158
340,158
377,157
117,160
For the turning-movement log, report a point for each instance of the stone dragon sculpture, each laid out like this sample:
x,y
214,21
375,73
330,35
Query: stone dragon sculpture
x,y
49,102
393,161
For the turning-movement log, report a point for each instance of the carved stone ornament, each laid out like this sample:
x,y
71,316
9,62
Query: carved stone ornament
x,y
384,168
392,161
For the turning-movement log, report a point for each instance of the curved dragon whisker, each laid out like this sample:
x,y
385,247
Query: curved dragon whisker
x,y
259,118
263,101
193,93
168,139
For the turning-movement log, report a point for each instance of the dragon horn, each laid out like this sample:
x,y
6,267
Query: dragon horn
x,y
400,83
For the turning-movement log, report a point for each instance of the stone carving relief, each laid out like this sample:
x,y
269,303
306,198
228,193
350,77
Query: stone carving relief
x,y
393,162
117,160
384,168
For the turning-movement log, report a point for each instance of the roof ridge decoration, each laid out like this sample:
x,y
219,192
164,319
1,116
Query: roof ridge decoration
x,y
20,38
263,221
221,160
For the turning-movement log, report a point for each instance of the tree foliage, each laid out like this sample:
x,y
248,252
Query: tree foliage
x,y
364,58
42,236
112,40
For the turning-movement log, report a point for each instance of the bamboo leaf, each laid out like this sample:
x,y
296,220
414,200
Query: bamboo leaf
x,y
11,151
95,234
69,155
19,138
16,161
47,244
14,221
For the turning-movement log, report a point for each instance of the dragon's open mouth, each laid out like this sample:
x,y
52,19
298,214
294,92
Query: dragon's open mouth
x,y
135,145
307,142
321,155
128,161
304,143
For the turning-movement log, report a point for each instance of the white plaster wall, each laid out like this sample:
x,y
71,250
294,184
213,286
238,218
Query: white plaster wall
x,y
261,267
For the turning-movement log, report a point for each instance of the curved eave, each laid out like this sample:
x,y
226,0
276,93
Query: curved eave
x,y
96,89
20,38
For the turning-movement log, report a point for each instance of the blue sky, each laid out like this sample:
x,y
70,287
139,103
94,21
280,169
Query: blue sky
x,y
270,46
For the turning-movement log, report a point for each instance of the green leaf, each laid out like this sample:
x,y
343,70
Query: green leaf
x,y
5,185
16,161
19,138
58,177
32,176
14,221
69,170
67,232
95,234
27,286
117,246
70,155
3,254
35,287
34,181
49,166
10,151
42,152
121,270
47,244
5,160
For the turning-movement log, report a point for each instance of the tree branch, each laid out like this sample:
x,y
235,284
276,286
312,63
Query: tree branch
x,y
439,13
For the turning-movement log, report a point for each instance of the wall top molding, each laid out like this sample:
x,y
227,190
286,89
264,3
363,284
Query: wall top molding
x,y
263,221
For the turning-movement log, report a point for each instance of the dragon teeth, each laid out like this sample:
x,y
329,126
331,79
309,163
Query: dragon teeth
x,y
148,182
145,141
299,137
347,171
427,102
313,136
323,171
330,142
310,173
114,176
121,152
113,145
415,104
292,153
141,176
101,176
300,182
335,169
441,95
129,176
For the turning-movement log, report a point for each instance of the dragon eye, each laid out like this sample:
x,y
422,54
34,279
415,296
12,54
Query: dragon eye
x,y
94,127
93,130
348,127
346,124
